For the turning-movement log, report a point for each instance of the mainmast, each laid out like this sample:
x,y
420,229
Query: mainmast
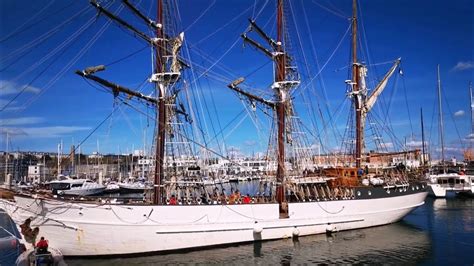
x,y
285,78
355,87
160,108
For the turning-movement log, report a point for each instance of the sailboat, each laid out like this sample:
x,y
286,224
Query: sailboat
x,y
332,204
444,181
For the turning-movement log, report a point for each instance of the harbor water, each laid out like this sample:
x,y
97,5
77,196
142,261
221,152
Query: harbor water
x,y
441,232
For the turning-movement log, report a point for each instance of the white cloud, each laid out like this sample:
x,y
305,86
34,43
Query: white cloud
x,y
3,102
11,106
415,144
469,138
459,113
21,121
250,143
9,87
460,66
386,145
450,149
42,132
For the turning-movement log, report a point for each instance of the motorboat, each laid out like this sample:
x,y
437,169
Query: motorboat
x,y
133,187
76,187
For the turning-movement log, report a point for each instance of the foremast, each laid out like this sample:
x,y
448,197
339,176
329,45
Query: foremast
x,y
282,95
167,71
285,79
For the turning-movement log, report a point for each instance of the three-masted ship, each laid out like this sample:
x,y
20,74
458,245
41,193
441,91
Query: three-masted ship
x,y
336,201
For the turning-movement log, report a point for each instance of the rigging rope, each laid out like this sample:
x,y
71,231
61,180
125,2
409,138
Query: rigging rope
x,y
452,118
44,36
200,16
19,29
407,105
334,12
45,58
219,29
324,65
71,63
127,56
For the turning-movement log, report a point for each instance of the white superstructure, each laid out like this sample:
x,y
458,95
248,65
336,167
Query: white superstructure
x,y
440,184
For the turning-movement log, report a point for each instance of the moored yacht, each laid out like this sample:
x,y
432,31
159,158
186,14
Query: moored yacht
x,y
133,187
76,187
440,184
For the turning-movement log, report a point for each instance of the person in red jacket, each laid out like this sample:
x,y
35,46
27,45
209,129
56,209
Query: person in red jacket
x,y
173,200
246,199
42,245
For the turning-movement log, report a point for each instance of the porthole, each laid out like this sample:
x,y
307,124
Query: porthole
x,y
358,193
400,190
388,191
413,188
417,187
369,193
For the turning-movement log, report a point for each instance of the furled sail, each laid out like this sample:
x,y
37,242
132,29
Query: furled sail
x,y
176,46
369,103
370,100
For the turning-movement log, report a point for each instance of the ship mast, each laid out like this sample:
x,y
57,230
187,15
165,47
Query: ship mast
x,y
161,108
355,87
441,126
472,108
280,105
422,139
363,101
285,78
167,71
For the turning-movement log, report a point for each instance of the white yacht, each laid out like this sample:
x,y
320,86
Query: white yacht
x,y
133,187
76,187
440,184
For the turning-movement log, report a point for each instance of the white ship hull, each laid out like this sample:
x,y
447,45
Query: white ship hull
x,y
80,229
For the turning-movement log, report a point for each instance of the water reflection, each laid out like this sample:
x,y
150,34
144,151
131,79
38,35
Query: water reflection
x,y
450,224
455,212
396,243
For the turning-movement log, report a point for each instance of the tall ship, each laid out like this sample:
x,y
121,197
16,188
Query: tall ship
x,y
183,216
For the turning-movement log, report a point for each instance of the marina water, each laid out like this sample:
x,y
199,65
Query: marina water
x,y
441,232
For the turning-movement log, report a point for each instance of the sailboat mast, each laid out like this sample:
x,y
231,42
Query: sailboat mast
x,y
472,107
423,159
161,108
441,126
280,105
355,86
6,160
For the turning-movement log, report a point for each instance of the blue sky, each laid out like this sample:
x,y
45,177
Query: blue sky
x,y
58,105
